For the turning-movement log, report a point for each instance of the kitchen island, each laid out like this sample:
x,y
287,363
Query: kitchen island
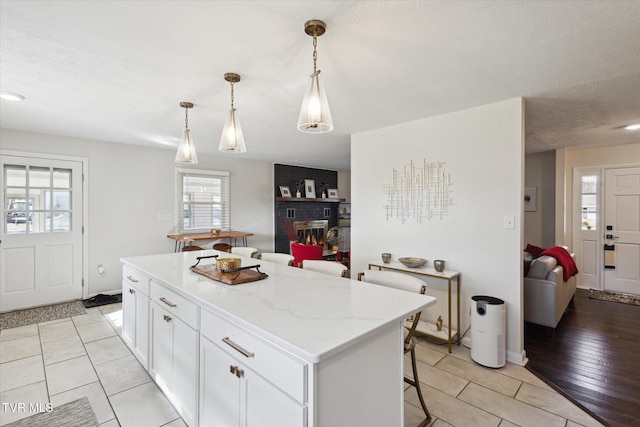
x,y
298,348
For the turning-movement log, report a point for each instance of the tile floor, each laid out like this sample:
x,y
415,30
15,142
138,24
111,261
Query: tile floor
x,y
63,360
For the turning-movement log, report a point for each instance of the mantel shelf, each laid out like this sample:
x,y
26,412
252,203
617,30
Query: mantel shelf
x,y
304,199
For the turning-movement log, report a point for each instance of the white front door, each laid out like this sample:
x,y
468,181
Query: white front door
x,y
622,230
41,250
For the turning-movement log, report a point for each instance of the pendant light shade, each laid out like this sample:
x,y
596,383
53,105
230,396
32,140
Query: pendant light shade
x,y
186,149
232,140
315,116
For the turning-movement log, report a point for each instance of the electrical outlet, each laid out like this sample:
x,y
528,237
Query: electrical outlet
x,y
164,217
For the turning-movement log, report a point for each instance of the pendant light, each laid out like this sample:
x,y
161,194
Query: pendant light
x,y
186,149
315,116
232,140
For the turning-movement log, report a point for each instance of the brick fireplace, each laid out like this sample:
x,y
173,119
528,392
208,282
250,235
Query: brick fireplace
x,y
302,210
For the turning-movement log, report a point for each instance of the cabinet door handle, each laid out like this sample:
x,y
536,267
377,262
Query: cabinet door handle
x,y
237,348
166,318
166,301
236,371
131,291
131,279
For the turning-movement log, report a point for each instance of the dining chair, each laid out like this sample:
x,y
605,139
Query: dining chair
x,y
222,247
278,258
188,248
408,283
301,252
247,251
327,267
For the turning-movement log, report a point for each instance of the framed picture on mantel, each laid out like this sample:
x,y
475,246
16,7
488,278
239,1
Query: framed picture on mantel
x,y
309,188
332,193
284,191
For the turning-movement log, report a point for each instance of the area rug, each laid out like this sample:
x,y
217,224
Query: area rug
x,y
73,414
30,316
614,296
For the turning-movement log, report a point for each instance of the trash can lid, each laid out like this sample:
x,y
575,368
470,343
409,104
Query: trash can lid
x,y
487,299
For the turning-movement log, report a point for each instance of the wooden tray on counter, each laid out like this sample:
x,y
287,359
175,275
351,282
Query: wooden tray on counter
x,y
242,275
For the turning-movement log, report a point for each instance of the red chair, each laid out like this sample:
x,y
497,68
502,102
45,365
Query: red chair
x,y
301,252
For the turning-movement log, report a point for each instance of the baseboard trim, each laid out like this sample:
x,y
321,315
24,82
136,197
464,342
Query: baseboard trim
x,y
517,358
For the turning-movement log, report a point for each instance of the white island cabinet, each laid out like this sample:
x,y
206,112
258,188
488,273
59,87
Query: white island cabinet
x,y
135,308
245,381
173,363
296,349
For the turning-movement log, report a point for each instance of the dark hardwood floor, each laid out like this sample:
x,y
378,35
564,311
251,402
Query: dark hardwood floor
x,y
593,357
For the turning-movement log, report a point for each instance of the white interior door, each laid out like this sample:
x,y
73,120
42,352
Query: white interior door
x,y
622,230
41,249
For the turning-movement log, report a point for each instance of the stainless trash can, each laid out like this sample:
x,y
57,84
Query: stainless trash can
x,y
488,320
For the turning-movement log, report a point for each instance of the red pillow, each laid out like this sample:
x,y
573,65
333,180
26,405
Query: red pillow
x,y
534,250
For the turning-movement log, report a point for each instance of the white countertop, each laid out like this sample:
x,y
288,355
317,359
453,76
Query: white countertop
x,y
310,314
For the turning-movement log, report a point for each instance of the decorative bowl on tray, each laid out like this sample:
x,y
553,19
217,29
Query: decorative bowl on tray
x,y
228,264
412,262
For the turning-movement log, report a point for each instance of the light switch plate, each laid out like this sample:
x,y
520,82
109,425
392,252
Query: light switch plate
x,y
164,217
509,221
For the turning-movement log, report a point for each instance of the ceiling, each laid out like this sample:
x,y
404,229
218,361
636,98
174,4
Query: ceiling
x,y
117,70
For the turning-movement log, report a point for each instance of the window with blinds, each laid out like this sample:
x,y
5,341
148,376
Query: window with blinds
x,y
203,200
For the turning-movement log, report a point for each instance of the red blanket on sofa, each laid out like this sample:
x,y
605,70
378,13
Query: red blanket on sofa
x,y
564,258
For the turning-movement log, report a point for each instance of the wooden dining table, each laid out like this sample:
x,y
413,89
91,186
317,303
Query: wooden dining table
x,y
183,239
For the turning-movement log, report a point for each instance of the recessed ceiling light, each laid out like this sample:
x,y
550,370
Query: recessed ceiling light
x,y
633,127
10,96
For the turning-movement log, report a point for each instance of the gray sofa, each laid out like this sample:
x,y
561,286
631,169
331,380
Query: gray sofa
x,y
546,295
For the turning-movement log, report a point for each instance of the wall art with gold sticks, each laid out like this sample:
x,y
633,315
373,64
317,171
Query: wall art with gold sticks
x,y
418,192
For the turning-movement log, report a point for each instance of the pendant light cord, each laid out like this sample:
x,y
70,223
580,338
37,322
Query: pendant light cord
x,y
315,53
231,95
186,119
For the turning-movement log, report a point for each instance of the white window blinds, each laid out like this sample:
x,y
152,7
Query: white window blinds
x,y
203,200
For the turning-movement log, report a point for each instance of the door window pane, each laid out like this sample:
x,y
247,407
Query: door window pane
x,y
62,178
39,222
589,200
39,199
62,222
31,205
16,215
589,184
15,176
39,177
16,199
61,200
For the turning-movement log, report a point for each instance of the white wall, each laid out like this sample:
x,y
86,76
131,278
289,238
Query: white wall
x,y
344,185
482,149
129,186
540,172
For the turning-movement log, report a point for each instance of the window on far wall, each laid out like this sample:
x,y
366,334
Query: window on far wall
x,y
202,200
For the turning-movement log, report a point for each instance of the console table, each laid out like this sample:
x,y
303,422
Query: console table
x,y
183,239
424,327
